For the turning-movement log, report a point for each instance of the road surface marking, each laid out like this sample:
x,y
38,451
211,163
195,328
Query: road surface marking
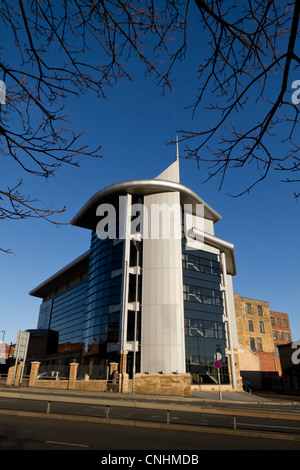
x,y
268,426
65,443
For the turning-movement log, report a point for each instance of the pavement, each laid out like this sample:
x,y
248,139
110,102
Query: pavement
x,y
245,397
197,397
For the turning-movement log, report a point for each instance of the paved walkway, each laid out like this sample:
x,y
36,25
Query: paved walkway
x,y
196,398
228,396
245,397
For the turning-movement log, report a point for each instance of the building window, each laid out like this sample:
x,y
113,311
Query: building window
x,y
259,310
280,335
249,308
252,344
278,321
276,350
272,321
261,327
202,295
285,322
274,334
250,323
287,336
204,328
259,344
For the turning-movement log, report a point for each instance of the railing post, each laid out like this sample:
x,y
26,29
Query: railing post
x,y
234,423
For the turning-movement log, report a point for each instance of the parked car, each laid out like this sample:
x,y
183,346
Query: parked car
x,y
248,386
53,375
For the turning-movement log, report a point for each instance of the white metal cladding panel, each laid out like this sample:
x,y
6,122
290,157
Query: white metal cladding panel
x,y
231,311
162,341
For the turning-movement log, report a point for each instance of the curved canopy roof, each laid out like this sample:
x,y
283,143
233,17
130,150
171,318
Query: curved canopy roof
x,y
86,217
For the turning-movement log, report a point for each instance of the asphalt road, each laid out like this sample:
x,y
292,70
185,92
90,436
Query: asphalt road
x,y
46,433
22,433
160,416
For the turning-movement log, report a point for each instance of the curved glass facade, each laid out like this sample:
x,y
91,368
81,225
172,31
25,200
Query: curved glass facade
x,y
87,316
67,317
102,319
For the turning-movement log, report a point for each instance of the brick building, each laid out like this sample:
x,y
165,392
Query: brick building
x,y
280,328
259,333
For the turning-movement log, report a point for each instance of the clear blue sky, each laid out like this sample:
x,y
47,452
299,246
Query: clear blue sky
x,y
134,127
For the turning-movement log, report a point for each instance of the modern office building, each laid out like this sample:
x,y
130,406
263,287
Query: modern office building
x,y
154,289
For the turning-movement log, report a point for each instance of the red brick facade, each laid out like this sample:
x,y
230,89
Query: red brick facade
x,y
260,331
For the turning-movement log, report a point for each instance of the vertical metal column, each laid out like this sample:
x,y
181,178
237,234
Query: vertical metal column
x,y
136,244
125,274
228,318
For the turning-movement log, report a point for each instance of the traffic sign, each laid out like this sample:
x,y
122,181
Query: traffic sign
x,y
21,352
21,345
218,364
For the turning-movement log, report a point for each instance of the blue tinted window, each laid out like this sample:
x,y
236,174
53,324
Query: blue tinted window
x,y
203,312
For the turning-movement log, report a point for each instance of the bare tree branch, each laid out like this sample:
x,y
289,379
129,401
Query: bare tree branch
x,y
69,47
250,63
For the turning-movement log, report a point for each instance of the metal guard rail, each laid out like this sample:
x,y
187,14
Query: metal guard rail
x,y
107,403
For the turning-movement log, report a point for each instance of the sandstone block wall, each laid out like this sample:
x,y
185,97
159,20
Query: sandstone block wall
x,y
163,384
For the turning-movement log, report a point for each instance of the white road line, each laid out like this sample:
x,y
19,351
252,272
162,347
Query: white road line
x,y
268,426
66,444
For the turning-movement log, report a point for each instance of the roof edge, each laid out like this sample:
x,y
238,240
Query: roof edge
x,y
149,186
65,269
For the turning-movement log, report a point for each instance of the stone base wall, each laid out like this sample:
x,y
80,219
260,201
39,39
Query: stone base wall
x,y
91,385
178,385
51,384
79,385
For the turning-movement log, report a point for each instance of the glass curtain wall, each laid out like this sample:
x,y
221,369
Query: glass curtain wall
x,y
68,313
203,310
104,286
